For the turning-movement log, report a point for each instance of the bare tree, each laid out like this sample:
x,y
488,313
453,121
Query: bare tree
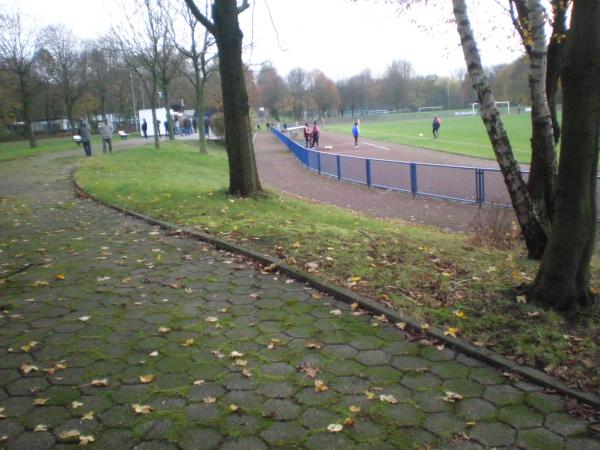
x,y
67,66
243,175
199,55
296,83
18,51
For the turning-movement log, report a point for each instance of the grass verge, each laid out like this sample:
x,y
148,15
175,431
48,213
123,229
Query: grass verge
x,y
20,149
447,280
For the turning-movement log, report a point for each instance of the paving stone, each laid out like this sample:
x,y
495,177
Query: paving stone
x,y
476,409
449,369
309,397
330,441
545,402
280,409
277,390
155,429
11,428
493,434
247,443
284,433
32,441
243,424
503,395
366,343
199,393
579,444
402,415
564,424
349,385
409,438
204,413
520,416
486,375
431,402
540,439
444,424
50,416
411,363
464,387
318,418
420,382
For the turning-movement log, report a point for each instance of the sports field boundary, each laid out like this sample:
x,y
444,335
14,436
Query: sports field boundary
x,y
349,297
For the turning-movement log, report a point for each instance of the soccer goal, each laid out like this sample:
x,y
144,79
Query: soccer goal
x,y
430,108
503,106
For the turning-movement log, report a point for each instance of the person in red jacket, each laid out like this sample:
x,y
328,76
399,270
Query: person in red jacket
x,y
307,134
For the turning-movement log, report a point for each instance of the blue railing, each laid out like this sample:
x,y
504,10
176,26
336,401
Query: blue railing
x,y
486,186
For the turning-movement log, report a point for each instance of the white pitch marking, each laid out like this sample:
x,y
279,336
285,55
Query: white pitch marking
x,y
378,146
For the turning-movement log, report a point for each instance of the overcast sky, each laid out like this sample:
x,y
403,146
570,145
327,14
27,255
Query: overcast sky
x,y
339,37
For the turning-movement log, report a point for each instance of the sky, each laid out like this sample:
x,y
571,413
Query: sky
x,y
339,37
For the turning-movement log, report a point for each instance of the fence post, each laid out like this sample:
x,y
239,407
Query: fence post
x,y
481,187
368,168
413,179
339,166
319,162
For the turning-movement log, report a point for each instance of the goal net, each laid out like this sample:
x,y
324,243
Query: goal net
x,y
430,108
503,107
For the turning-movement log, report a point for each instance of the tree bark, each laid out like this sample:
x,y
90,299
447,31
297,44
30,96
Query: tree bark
x,y
555,48
531,228
243,175
563,278
542,176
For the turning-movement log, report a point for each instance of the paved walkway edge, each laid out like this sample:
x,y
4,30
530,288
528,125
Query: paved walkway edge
x,y
350,297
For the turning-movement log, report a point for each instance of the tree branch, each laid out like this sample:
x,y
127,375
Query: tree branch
x,y
201,17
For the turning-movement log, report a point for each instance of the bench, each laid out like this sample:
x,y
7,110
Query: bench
x,y
123,135
77,139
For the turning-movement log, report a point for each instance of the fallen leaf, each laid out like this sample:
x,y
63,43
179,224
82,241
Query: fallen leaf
x,y
209,400
27,348
348,422
28,368
246,373
100,382
521,299
471,423
75,404
452,331
188,342
452,397
235,354
218,354
40,401
59,276
335,312
40,427
241,362
460,314
2,415
142,409
317,295
311,343
212,319
401,325
382,318
70,436
370,395
164,330
354,409
88,416
85,440
153,354
188,290
388,399
533,314
84,318
270,268
234,408
320,386
309,370
145,379
335,427
199,382
296,245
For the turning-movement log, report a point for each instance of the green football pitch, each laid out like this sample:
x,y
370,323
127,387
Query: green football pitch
x,y
464,135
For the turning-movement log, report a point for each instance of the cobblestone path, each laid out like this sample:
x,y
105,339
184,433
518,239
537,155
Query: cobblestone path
x,y
118,335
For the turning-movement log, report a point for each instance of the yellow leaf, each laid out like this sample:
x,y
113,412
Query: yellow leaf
x,y
296,245
234,408
101,382
452,397
459,314
188,342
313,344
335,312
348,422
317,296
75,404
521,299
425,327
40,401
69,436
142,409
188,290
2,415
335,428
199,382
246,373
452,331
471,423
164,330
209,400
320,386
354,409
212,319
370,395
235,354
40,427
88,416
27,348
145,379
401,325
270,268
241,362
59,276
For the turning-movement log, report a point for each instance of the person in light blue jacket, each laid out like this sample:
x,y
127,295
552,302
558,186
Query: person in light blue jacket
x,y
355,133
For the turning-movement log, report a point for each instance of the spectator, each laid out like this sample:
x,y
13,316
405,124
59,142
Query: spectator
x,y
437,123
315,135
106,131
307,134
85,132
145,129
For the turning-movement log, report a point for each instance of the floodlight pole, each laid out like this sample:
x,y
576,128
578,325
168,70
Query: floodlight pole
x,y
135,115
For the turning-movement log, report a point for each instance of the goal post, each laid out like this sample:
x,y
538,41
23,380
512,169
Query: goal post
x,y
475,106
430,108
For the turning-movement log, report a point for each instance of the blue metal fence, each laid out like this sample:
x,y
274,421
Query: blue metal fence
x,y
483,186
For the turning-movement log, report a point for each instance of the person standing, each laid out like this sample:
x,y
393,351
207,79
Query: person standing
x,y
307,134
158,127
355,133
106,131
437,123
145,129
85,131
315,135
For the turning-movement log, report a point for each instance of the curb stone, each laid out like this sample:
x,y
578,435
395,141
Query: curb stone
x,y
347,296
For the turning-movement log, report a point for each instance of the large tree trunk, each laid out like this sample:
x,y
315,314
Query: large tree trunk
x,y
168,117
563,278
243,175
200,114
542,177
557,39
533,232
26,108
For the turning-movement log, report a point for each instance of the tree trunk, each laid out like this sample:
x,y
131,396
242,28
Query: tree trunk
x,y
200,114
533,233
243,175
26,108
555,47
168,113
563,278
542,176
